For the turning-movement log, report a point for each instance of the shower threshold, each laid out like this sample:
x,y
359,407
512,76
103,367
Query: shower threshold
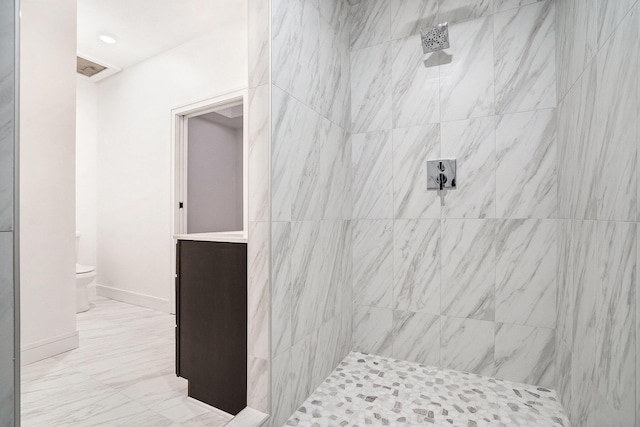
x,y
367,390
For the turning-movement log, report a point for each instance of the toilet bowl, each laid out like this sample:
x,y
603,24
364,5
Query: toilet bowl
x,y
85,275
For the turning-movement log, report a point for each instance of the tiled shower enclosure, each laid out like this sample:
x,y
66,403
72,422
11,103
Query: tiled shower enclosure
x,y
363,256
525,272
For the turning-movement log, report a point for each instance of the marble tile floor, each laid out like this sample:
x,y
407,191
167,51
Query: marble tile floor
x,y
378,391
121,375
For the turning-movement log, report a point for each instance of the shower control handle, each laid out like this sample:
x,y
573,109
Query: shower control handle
x,y
441,174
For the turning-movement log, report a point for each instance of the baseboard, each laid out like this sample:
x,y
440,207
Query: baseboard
x,y
40,350
208,407
248,417
148,301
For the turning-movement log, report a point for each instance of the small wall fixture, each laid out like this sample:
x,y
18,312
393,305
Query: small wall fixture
x,y
441,174
105,38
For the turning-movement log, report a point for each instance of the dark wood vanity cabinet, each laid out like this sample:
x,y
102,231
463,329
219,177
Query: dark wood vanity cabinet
x,y
211,317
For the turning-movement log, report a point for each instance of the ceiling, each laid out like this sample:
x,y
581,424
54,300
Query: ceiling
x,y
144,28
224,120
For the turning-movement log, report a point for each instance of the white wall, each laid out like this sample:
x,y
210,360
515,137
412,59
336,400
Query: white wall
x,y
47,177
86,165
212,178
134,158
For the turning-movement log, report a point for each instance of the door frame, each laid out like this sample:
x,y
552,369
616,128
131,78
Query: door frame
x,y
179,161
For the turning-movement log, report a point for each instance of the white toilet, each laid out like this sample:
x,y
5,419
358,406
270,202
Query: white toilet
x,y
85,275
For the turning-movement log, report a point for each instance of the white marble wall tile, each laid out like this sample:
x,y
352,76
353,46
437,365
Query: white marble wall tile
x,y
302,355
372,175
258,36
347,328
333,83
526,257
615,345
562,380
345,260
307,193
564,277
616,110
294,47
310,163
6,146
585,399
312,175
373,263
336,246
315,3
286,114
321,320
466,71
281,389
7,76
259,153
468,268
473,144
330,246
258,290
636,16
584,278
452,11
578,171
412,147
338,14
525,58
467,345
371,94
334,174
594,134
576,40
286,15
526,185
502,5
344,325
610,14
409,16
306,275
325,339
6,331
258,384
415,85
373,330
637,331
6,183
281,301
604,414
416,337
371,21
330,349
416,265
525,354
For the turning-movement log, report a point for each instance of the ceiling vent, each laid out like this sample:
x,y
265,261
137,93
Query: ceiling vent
x,y
92,70
88,68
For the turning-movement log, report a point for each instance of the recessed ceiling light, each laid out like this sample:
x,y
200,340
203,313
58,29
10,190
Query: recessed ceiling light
x,y
107,39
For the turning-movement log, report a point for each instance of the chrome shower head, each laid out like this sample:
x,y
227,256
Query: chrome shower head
x,y
435,38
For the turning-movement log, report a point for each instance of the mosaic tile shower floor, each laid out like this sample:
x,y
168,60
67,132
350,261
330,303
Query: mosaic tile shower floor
x,y
372,390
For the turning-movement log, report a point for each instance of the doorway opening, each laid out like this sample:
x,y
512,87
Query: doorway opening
x,y
210,189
